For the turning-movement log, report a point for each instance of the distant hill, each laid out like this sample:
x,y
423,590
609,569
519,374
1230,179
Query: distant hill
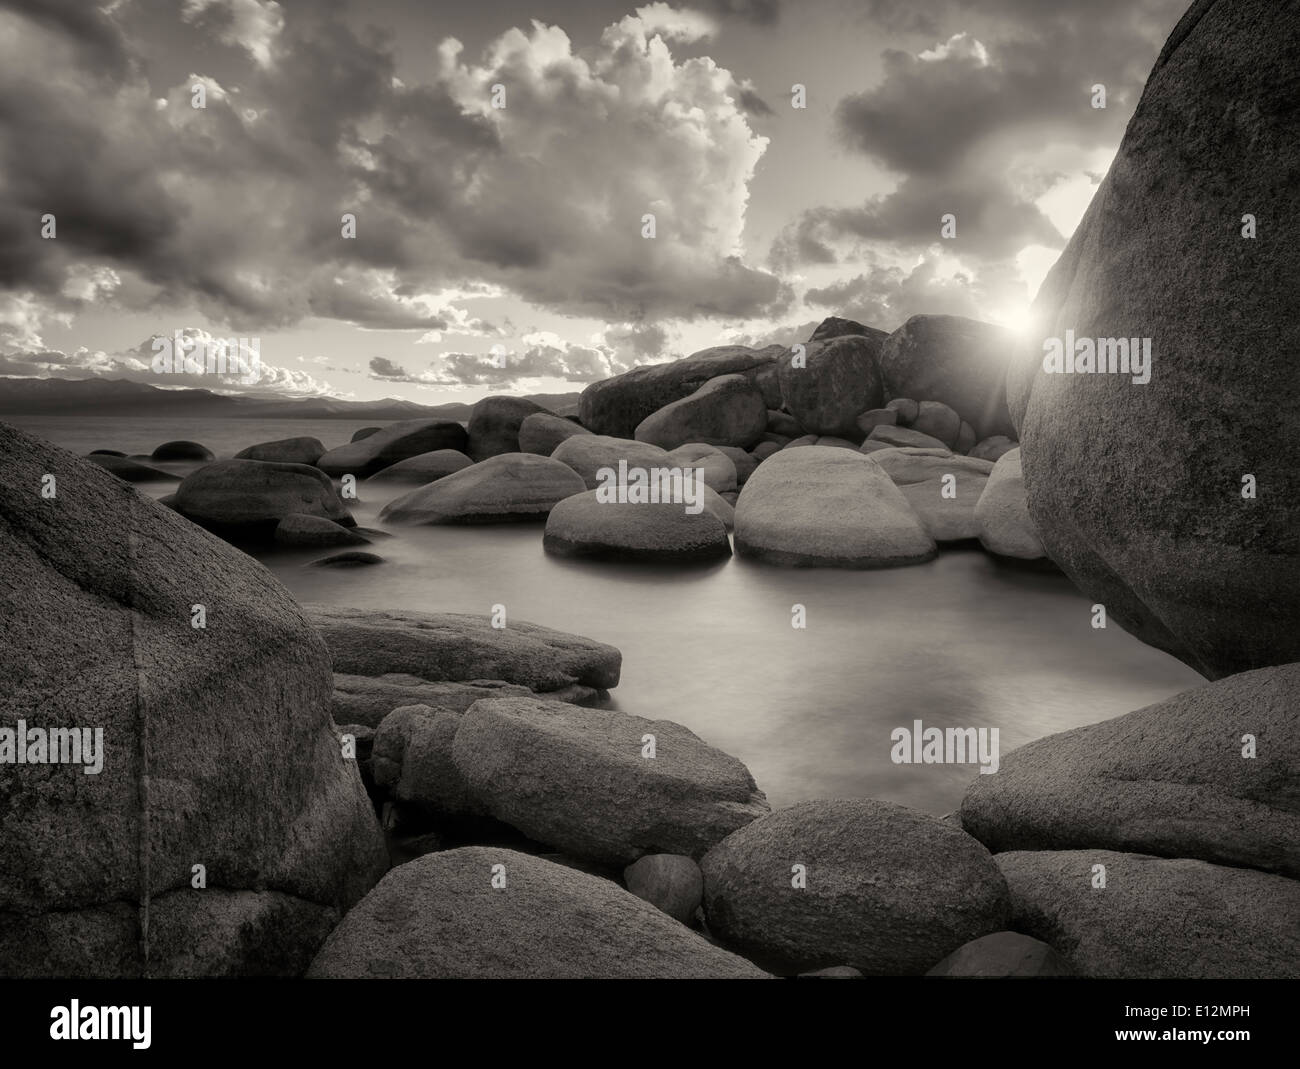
x,y
120,397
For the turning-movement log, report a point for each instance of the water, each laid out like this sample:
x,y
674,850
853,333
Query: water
x,y
959,642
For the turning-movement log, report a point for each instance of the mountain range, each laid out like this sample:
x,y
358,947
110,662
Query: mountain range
x,y
121,397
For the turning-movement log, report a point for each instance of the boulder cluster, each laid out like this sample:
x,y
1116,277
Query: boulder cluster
x,y
855,449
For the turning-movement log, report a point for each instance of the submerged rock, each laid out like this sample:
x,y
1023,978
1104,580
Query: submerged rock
x,y
247,499
131,471
513,487
301,530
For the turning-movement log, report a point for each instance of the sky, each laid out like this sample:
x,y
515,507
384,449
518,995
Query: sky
x,y
500,159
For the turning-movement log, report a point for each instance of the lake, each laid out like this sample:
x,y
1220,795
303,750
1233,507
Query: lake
x,y
962,641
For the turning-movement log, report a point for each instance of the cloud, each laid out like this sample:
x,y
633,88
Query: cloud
x,y
539,354
137,365
252,24
235,209
885,296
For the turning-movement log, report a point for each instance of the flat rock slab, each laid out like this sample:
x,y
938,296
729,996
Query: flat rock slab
x,y
459,647
1169,779
576,779
440,917
888,890
1156,918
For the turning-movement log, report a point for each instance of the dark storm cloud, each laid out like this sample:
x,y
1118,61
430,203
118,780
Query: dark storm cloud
x,y
237,207
759,12
97,39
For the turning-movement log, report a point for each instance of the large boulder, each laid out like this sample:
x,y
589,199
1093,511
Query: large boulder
x,y
460,647
1136,490
1155,918
924,480
586,526
594,454
398,441
823,507
728,410
878,886
513,487
960,362
494,425
541,432
840,380
1005,526
302,450
583,781
247,499
1172,779
425,468
615,406
486,913
230,724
